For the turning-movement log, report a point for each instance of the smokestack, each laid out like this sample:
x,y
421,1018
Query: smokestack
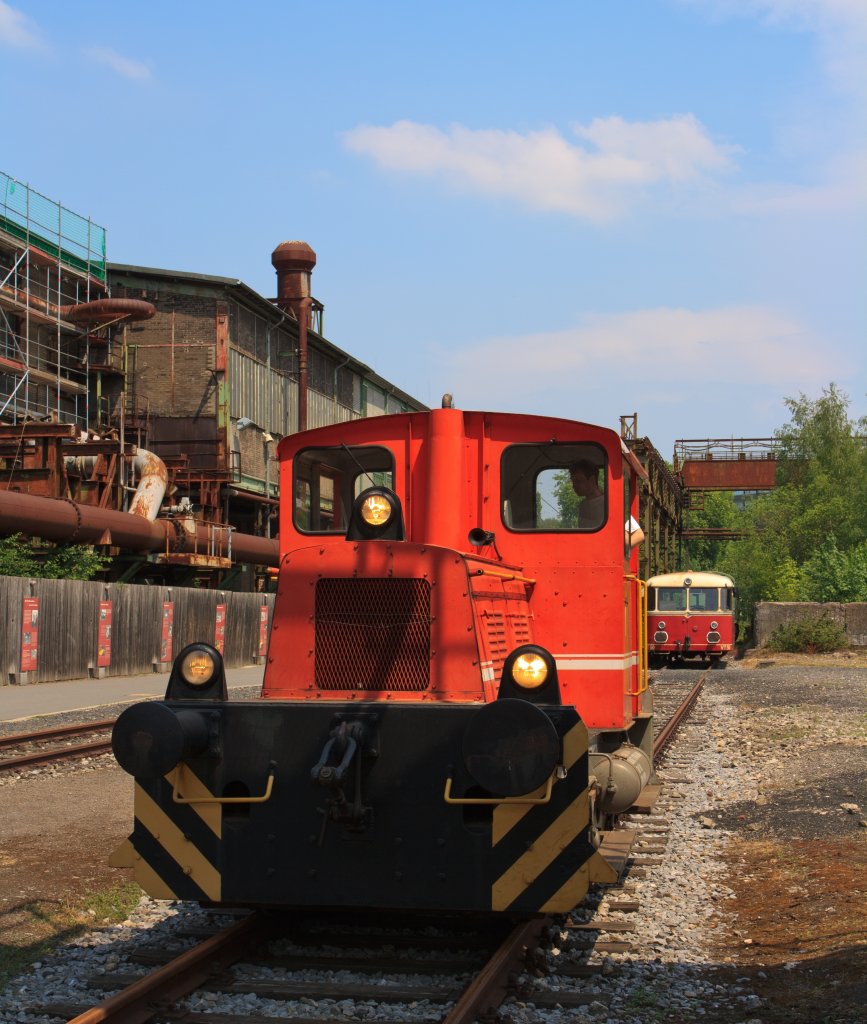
x,y
294,262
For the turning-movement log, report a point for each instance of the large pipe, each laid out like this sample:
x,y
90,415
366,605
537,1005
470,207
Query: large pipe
x,y
294,263
70,522
152,480
107,309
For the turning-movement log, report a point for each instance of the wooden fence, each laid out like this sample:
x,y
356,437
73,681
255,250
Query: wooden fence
x,y
69,629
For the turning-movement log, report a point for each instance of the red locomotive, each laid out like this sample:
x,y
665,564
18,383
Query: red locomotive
x,y
690,615
455,698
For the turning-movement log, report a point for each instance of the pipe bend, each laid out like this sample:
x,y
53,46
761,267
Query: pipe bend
x,y
108,309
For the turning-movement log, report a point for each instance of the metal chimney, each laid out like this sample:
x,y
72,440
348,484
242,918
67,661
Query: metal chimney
x,y
294,262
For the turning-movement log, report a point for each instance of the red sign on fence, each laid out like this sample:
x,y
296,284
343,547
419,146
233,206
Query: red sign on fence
x,y
103,642
29,634
168,631
263,630
220,628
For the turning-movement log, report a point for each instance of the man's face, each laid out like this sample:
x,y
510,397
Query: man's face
x,y
581,483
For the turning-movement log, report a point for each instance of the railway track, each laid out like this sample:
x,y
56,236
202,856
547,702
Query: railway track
x,y
47,746
457,972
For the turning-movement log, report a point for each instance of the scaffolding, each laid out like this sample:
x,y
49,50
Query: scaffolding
x,y
50,260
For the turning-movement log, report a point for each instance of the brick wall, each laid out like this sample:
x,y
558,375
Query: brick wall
x,y
171,356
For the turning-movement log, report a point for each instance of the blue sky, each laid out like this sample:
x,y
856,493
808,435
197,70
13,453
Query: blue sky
x,y
583,208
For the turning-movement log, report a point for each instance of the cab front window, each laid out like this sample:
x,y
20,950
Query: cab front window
x,y
327,481
553,487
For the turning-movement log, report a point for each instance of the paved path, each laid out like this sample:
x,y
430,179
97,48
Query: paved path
x,y
20,702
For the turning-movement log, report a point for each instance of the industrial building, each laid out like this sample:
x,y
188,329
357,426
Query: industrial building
x,y
121,382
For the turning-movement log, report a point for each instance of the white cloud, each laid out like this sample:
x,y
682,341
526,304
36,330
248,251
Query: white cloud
x,y
839,25
16,29
543,169
117,62
649,347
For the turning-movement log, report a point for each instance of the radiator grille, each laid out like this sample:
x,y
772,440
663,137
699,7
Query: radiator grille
x,y
372,634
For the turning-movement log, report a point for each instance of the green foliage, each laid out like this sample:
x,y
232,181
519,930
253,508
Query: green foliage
x,y
566,498
819,634
806,539
834,575
719,512
67,561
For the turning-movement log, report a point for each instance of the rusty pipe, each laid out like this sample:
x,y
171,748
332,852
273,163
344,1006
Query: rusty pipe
x,y
66,521
107,309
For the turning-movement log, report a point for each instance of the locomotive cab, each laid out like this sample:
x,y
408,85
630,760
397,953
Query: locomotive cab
x,y
456,655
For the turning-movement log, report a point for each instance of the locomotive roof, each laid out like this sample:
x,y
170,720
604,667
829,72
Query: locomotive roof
x,y
698,579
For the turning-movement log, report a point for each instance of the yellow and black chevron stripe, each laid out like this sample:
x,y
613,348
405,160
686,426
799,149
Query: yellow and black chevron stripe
x,y
174,849
542,858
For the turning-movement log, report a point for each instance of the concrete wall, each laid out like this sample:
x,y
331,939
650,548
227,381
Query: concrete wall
x,y
771,614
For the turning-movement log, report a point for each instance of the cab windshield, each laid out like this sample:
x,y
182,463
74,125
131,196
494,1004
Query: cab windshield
x,y
327,481
553,487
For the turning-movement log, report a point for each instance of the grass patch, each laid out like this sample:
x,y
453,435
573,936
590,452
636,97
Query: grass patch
x,y
31,931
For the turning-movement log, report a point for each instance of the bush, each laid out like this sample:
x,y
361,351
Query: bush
x,y
809,636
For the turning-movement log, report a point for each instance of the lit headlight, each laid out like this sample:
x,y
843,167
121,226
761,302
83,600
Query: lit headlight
x,y
530,671
376,510
198,667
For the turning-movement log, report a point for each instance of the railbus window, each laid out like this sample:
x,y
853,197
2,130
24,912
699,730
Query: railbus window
x,y
327,480
704,599
670,599
554,487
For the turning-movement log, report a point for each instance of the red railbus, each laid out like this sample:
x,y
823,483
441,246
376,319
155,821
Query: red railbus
x,y
690,615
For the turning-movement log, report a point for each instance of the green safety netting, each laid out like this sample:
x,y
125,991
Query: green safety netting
x,y
72,239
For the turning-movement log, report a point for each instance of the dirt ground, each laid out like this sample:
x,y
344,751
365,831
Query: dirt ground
x,y
796,935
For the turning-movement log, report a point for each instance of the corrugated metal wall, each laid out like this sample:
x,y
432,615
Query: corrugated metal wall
x,y
260,394
69,616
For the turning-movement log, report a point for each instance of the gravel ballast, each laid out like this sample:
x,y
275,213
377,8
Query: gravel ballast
x,y
775,757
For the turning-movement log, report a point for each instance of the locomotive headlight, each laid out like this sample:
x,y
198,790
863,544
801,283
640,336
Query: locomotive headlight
x,y
376,510
714,625
660,624
530,671
198,667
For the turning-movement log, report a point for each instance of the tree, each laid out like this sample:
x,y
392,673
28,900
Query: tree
x,y
66,561
806,538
